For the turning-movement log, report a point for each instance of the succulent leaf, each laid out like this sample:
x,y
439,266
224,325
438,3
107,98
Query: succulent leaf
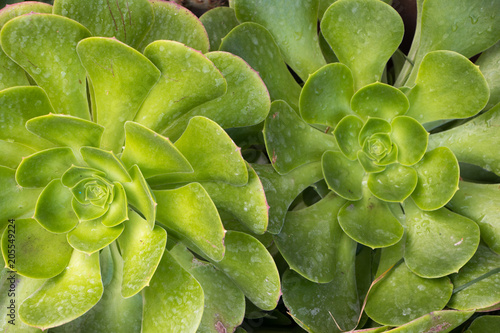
x,y
141,250
438,175
326,95
81,278
369,221
293,26
394,184
140,196
474,142
475,285
92,236
311,239
176,92
440,84
255,44
53,208
246,101
174,22
190,215
218,22
485,324
48,164
224,303
174,300
480,203
309,143
246,203
488,65
126,20
15,201
379,100
11,74
114,70
363,34
410,138
250,266
281,190
438,242
39,253
435,321
66,131
300,294
343,175
17,9
48,53
347,135
401,296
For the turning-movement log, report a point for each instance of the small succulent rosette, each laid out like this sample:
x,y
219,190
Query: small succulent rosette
x,y
369,156
109,142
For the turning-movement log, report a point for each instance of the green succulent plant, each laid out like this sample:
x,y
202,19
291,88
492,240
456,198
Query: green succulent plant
x,y
111,141
371,164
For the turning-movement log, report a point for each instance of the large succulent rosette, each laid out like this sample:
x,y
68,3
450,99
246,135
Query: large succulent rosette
x,y
110,141
378,173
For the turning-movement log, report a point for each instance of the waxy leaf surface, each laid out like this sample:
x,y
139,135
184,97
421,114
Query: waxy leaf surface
x,y
218,22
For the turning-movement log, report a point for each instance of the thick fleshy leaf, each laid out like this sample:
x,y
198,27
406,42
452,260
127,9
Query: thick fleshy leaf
x,y
17,9
248,263
438,176
402,296
107,162
283,129
281,190
439,242
481,203
475,142
174,300
174,22
292,23
411,139
436,321
368,164
476,284
20,104
53,208
153,153
370,221
246,203
318,307
66,131
189,213
441,83
113,313
488,64
141,250
87,211
11,74
74,292
484,324
92,236
224,306
446,26
211,153
13,153
218,22
246,101
326,95
47,51
38,253
118,209
39,169
257,47
24,287
75,174
373,126
15,201
187,79
121,79
394,184
347,133
126,20
310,239
140,196
363,34
343,175
379,100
